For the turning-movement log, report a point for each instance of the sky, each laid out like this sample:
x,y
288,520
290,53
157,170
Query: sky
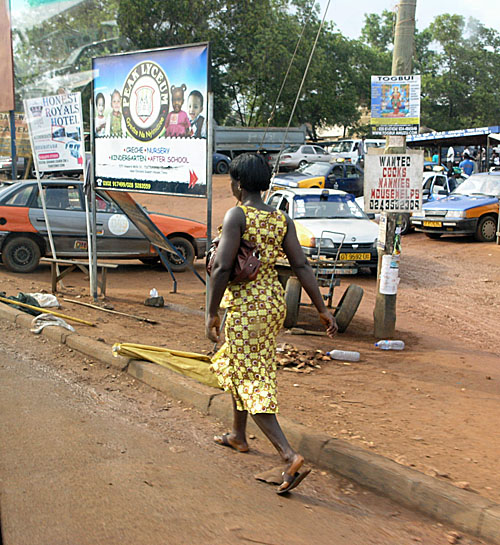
x,y
348,15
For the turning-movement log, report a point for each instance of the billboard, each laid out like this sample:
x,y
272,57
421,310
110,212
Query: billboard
x,y
395,108
150,121
56,128
393,182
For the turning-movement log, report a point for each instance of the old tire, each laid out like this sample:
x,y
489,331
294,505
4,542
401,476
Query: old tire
x,y
405,224
222,167
434,236
21,254
186,249
486,229
347,306
292,299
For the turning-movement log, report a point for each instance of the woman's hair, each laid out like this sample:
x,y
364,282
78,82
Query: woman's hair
x,y
251,171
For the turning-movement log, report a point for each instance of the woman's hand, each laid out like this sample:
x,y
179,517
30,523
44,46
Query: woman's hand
x,y
212,327
328,320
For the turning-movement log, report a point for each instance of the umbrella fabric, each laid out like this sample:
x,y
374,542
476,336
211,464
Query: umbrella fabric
x,y
189,364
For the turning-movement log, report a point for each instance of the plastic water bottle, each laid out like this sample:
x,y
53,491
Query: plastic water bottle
x,y
344,355
153,292
390,345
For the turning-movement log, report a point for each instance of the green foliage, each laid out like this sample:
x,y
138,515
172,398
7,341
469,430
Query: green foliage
x,y
378,30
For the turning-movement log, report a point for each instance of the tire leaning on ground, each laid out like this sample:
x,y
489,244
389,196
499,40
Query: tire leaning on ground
x,y
347,306
21,254
293,291
186,249
486,229
405,224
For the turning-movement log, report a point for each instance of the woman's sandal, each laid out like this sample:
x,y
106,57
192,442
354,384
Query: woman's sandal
x,y
292,481
223,440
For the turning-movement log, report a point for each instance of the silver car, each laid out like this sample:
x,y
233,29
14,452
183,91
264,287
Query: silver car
x,y
294,157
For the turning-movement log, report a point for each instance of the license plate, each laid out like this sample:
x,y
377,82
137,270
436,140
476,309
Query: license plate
x,y
355,257
433,223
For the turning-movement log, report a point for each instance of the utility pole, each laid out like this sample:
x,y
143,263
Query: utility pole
x,y
384,313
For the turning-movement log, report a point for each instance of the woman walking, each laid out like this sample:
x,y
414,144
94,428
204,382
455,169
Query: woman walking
x,y
245,365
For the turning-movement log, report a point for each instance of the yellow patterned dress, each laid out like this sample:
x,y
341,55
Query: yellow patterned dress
x,y
245,365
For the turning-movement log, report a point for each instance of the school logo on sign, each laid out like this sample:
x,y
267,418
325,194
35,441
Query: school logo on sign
x,y
145,101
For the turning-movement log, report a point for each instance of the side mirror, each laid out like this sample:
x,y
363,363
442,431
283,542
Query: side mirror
x,y
426,192
442,192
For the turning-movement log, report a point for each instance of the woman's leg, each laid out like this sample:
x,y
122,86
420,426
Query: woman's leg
x,y
237,437
268,423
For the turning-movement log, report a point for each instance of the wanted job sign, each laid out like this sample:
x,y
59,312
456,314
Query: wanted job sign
x,y
393,182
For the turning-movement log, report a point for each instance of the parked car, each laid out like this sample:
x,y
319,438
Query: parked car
x,y
353,150
220,163
294,157
471,209
6,165
332,175
24,238
324,218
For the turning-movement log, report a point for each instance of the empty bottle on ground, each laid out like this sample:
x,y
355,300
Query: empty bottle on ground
x,y
390,345
344,355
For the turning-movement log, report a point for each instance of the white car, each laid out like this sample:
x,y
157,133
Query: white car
x,y
327,218
294,157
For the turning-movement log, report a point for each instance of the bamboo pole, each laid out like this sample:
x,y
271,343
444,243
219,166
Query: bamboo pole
x,y
140,318
45,311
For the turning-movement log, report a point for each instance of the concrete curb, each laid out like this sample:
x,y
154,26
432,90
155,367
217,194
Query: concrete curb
x,y
463,509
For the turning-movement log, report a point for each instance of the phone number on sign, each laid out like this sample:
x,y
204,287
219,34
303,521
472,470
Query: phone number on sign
x,y
395,205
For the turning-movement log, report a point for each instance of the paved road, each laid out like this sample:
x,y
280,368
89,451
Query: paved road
x,y
90,457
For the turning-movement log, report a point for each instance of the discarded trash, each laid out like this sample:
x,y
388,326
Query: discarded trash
x,y
344,355
45,300
153,292
44,320
390,345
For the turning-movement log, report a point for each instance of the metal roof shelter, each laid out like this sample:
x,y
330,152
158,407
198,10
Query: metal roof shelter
x,y
465,137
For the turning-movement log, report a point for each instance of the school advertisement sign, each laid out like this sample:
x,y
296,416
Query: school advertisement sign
x,y
150,121
56,128
395,107
393,183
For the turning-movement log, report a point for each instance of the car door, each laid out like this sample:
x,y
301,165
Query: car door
x,y
308,154
439,183
117,235
321,154
66,216
334,179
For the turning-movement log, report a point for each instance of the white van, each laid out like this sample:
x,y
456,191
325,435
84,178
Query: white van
x,y
352,150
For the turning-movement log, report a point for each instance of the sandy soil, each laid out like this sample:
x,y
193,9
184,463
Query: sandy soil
x,y
433,406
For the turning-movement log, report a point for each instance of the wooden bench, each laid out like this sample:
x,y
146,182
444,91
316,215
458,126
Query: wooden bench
x,y
71,265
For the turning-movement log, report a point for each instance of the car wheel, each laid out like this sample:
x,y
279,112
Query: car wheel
x,y
222,167
186,249
486,229
302,163
292,300
21,254
434,236
405,224
347,307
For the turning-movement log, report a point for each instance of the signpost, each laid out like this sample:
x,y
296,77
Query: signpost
x,y
384,313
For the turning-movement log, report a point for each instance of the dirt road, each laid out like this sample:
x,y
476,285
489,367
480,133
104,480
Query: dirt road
x,y
89,456
432,407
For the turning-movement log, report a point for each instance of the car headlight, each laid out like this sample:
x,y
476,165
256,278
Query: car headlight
x,y
455,214
325,242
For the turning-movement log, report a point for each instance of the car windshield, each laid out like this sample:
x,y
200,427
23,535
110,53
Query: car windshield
x,y
341,147
334,207
315,169
479,184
